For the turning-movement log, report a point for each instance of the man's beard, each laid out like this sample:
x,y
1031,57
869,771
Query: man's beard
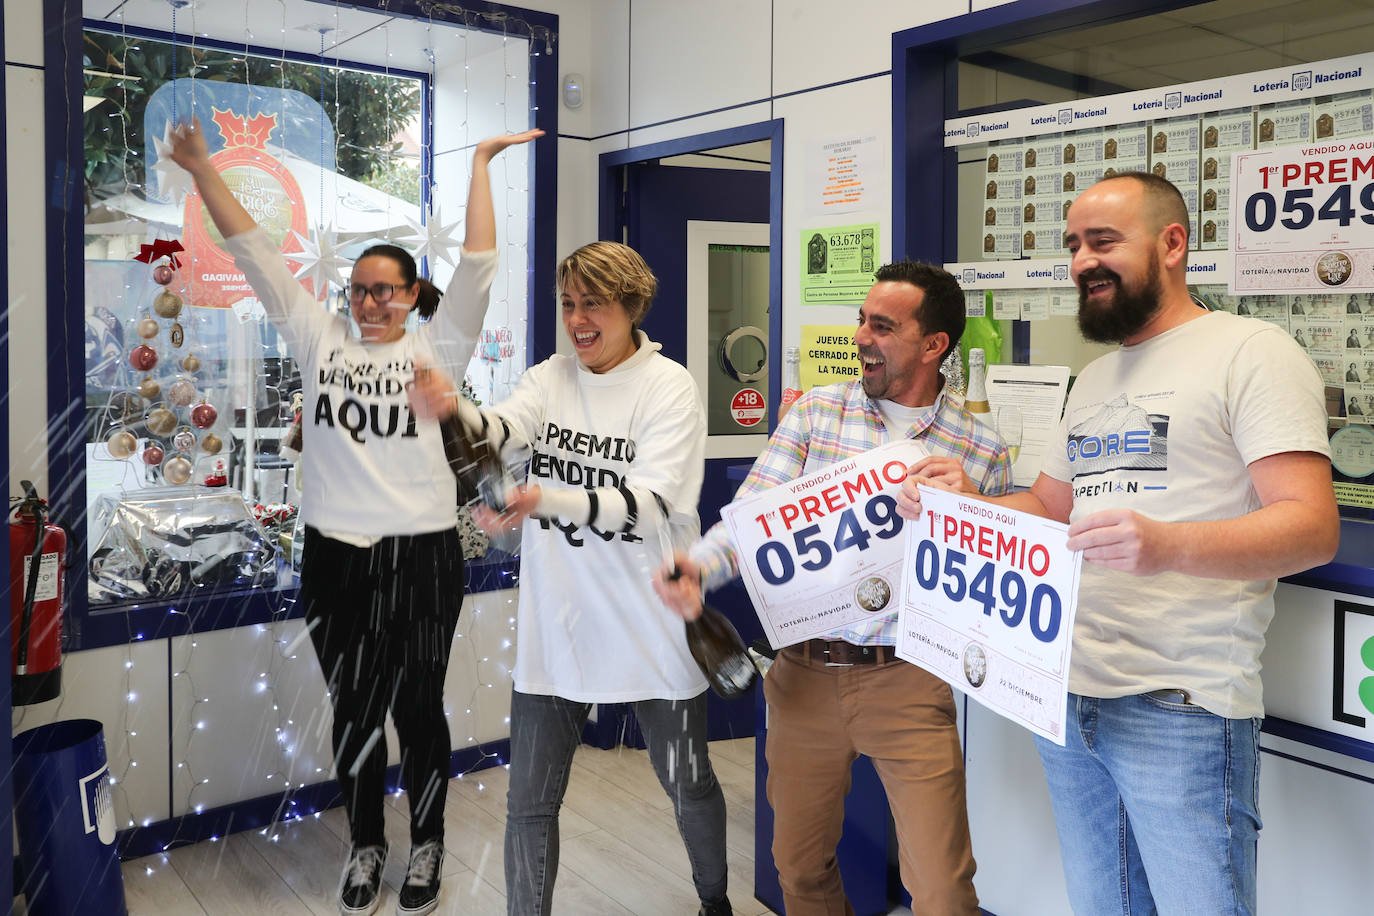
x,y
875,388
1128,311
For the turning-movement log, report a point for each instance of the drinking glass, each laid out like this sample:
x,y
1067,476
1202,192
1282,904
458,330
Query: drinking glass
x,y
1010,428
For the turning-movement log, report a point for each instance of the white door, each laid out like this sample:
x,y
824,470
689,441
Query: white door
x,y
727,332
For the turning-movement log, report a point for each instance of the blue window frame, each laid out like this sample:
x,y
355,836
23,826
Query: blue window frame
x,y
206,609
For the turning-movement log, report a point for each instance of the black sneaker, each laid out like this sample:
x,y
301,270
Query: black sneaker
x,y
361,888
420,892
720,907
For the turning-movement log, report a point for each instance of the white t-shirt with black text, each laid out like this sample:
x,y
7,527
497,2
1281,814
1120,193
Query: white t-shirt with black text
x,y
371,468
1167,428
591,628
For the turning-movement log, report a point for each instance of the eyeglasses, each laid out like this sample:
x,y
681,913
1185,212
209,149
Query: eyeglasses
x,y
381,292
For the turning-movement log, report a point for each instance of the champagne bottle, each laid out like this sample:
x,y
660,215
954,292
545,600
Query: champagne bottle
x,y
976,399
716,646
791,380
719,652
482,475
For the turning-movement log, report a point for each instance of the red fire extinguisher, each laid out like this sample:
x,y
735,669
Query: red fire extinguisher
x,y
37,554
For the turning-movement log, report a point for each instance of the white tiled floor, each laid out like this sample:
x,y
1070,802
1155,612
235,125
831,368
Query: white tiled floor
x,y
620,852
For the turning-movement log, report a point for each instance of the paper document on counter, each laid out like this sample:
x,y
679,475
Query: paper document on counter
x,y
1037,392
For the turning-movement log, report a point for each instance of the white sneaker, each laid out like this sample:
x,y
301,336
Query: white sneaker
x,y
360,890
420,891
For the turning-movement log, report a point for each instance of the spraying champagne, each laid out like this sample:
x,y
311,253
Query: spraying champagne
x,y
482,475
719,651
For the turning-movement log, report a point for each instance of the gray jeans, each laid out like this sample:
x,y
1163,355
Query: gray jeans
x,y
544,733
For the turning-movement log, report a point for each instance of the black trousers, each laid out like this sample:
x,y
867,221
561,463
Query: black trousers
x,y
382,620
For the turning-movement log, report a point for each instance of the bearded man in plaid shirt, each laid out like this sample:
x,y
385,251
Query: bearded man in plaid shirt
x,y
833,698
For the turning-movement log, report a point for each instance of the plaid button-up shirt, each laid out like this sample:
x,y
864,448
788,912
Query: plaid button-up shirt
x,y
834,422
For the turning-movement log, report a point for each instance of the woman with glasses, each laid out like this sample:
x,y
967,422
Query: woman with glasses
x,y
382,579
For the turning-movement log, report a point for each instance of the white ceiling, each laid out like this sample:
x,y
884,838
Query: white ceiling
x,y
1220,38
297,25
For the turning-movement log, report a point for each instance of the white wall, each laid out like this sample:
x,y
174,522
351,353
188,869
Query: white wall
x,y
27,285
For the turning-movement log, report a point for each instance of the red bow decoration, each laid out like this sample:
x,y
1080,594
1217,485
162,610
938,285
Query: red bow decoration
x,y
159,249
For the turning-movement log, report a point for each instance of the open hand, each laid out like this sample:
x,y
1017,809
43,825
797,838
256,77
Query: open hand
x,y
491,146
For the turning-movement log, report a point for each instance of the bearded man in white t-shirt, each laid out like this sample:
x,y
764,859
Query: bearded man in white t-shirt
x,y
1193,470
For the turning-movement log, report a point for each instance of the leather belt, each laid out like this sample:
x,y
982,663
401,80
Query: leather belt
x,y
840,653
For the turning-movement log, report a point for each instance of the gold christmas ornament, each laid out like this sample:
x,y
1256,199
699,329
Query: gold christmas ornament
x,y
161,421
149,387
211,444
167,304
148,328
121,443
176,470
191,363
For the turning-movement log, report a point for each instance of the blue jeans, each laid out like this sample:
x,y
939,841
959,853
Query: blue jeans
x,y
1157,806
544,733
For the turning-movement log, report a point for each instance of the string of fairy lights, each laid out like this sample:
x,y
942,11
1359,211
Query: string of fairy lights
x,y
291,748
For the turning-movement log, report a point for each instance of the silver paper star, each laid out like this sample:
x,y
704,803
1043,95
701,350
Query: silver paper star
x,y
173,182
433,239
320,260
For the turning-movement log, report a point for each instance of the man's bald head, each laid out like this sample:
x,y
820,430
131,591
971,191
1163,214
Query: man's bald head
x,y
1162,204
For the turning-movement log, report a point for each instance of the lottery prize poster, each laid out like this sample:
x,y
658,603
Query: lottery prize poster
x,y
838,264
824,551
1302,218
989,597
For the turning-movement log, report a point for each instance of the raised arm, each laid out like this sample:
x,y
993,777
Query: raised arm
x,y
190,152
293,311
458,320
481,219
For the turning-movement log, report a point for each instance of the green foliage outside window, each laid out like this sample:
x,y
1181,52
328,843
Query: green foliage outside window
x,y
369,109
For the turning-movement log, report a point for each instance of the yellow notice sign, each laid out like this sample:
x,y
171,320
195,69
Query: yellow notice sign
x,y
1356,495
828,354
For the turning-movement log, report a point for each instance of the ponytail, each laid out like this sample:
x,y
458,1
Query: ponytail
x,y
427,298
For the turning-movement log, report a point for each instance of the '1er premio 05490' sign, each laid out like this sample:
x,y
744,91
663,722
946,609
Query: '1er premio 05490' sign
x,y
1302,218
823,551
988,603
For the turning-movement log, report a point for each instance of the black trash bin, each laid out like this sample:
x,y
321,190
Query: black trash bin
x,y
64,817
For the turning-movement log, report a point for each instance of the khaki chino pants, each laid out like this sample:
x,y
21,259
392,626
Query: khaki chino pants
x,y
900,716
